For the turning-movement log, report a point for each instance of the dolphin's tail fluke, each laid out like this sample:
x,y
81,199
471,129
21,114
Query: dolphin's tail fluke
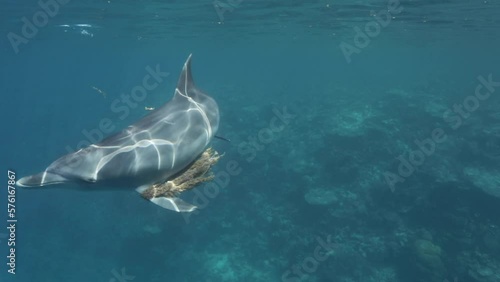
x,y
41,179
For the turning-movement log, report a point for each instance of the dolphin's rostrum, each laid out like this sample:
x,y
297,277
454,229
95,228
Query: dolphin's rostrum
x,y
150,151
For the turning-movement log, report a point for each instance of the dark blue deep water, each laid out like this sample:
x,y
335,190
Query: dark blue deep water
x,y
366,136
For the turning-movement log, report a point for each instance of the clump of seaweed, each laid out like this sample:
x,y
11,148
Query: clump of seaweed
x,y
197,173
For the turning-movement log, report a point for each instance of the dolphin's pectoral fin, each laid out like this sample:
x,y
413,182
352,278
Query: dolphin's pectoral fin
x,y
41,179
222,138
174,204
161,199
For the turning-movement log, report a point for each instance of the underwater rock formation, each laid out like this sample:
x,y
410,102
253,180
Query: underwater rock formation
x,y
486,180
429,259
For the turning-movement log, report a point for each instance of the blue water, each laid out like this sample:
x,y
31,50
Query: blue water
x,y
340,191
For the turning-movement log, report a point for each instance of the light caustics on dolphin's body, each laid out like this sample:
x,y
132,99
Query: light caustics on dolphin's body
x,y
152,150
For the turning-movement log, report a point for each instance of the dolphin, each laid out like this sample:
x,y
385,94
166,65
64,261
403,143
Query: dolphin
x,y
152,150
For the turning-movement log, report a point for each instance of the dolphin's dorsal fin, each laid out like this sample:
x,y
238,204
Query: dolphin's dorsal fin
x,y
185,85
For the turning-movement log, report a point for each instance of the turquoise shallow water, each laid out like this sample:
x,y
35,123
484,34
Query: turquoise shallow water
x,y
367,137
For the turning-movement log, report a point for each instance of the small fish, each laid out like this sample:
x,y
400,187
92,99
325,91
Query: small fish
x,y
100,91
149,108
